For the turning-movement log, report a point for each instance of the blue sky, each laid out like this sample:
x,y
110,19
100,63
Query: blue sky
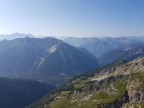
x,y
73,17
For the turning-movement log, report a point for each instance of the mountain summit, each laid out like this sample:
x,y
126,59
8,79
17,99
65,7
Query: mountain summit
x,y
46,59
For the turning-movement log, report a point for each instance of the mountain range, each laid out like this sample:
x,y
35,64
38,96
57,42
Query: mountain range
x,y
99,46
72,72
126,53
14,36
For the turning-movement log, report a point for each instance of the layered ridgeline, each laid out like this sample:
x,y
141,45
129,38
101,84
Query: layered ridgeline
x,y
46,59
116,86
99,46
17,93
14,36
126,53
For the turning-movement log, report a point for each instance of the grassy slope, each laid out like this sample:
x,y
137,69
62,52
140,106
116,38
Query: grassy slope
x,y
110,92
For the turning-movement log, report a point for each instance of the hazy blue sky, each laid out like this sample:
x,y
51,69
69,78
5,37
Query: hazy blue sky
x,y
72,17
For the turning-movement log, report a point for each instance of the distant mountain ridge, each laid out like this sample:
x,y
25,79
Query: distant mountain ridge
x,y
126,53
14,36
99,46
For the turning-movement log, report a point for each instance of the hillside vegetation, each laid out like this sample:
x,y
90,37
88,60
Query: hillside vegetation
x,y
118,86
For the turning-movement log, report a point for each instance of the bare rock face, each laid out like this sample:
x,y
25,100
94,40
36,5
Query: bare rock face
x,y
134,96
134,91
